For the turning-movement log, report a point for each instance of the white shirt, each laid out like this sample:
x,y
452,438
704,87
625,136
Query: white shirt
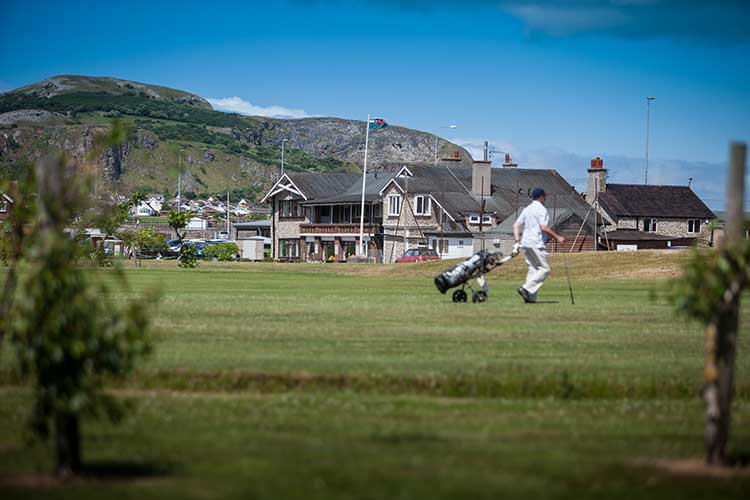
x,y
532,217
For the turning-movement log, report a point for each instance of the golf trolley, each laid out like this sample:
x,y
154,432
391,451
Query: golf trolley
x,y
475,267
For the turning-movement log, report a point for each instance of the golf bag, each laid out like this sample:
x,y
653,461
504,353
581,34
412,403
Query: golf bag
x,y
461,274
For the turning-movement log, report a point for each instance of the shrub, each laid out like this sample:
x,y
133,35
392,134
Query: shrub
x,y
223,252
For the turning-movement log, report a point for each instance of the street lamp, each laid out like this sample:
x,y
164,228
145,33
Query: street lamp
x,y
283,141
648,131
436,139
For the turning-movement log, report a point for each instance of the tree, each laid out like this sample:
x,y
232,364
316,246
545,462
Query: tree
x,y
178,221
68,332
710,291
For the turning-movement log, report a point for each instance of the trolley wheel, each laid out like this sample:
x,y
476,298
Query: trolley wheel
x,y
459,296
479,296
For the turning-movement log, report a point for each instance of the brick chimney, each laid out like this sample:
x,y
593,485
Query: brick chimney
x,y
481,177
597,180
508,163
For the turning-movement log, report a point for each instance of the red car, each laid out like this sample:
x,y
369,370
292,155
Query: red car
x,y
418,255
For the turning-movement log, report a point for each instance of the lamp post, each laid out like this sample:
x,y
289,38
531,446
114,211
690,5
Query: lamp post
x,y
283,141
436,139
648,130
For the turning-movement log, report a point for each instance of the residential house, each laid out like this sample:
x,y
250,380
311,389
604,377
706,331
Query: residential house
x,y
642,216
6,202
450,207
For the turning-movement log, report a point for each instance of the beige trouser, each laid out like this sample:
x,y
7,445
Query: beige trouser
x,y
536,259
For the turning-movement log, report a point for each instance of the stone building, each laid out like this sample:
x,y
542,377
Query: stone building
x,y
641,216
452,208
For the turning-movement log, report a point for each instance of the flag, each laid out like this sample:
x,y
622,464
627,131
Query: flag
x,y
377,124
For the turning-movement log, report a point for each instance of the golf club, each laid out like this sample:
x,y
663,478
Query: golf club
x,y
567,275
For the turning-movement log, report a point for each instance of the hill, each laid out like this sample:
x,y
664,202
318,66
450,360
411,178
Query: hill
x,y
218,150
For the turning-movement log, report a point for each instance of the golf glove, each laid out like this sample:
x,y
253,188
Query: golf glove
x,y
516,250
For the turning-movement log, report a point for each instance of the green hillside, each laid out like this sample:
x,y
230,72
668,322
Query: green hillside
x,y
219,150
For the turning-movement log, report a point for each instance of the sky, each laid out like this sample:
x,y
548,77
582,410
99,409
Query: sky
x,y
553,82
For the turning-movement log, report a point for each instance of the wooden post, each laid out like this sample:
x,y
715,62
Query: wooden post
x,y
721,332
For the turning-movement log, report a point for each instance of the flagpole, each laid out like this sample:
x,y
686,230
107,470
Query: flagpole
x,y
364,180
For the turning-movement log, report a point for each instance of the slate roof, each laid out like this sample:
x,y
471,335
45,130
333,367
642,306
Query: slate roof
x,y
353,193
640,200
316,185
450,187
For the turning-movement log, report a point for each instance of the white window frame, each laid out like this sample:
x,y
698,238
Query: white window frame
x,y
696,223
3,206
487,219
425,207
394,205
652,225
474,219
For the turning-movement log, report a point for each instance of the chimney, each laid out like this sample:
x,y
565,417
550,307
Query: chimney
x,y
486,151
508,163
481,177
597,180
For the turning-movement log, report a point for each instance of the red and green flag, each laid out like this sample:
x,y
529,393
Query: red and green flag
x,y
377,124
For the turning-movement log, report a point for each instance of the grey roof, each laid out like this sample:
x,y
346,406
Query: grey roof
x,y
252,224
639,200
375,183
567,207
316,185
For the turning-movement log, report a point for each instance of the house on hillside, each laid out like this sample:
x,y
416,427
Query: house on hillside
x,y
454,209
640,216
6,203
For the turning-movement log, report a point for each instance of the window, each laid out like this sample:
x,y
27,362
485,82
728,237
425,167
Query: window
x,y
394,205
310,248
421,205
289,210
694,226
377,211
486,219
473,219
289,248
649,225
460,243
3,206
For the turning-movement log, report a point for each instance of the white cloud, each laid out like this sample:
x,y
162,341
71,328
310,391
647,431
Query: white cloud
x,y
238,105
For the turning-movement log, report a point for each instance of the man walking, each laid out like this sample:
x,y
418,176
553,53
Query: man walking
x,y
534,220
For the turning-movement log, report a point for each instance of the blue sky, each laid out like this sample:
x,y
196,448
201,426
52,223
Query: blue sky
x,y
553,82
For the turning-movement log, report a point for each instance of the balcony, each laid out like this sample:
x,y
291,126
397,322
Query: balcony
x,y
345,228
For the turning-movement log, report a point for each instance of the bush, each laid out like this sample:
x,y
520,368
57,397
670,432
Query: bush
x,y
188,257
222,252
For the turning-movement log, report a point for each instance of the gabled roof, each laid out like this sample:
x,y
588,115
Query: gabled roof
x,y
640,200
316,185
353,193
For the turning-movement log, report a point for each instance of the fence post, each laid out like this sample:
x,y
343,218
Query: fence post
x,y
721,332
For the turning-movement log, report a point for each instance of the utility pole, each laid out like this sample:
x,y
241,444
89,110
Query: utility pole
x,y
648,131
721,332
436,141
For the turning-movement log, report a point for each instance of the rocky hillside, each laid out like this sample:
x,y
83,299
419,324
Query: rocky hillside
x,y
167,126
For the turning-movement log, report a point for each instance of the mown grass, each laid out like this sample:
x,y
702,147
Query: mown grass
x,y
344,381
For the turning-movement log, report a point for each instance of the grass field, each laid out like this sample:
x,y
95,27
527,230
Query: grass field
x,y
342,381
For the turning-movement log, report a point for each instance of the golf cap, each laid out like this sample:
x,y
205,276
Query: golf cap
x,y
537,193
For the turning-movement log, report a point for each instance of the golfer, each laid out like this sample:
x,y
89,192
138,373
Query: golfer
x,y
534,220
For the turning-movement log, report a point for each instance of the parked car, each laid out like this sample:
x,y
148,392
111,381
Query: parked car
x,y
418,255
199,246
173,249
